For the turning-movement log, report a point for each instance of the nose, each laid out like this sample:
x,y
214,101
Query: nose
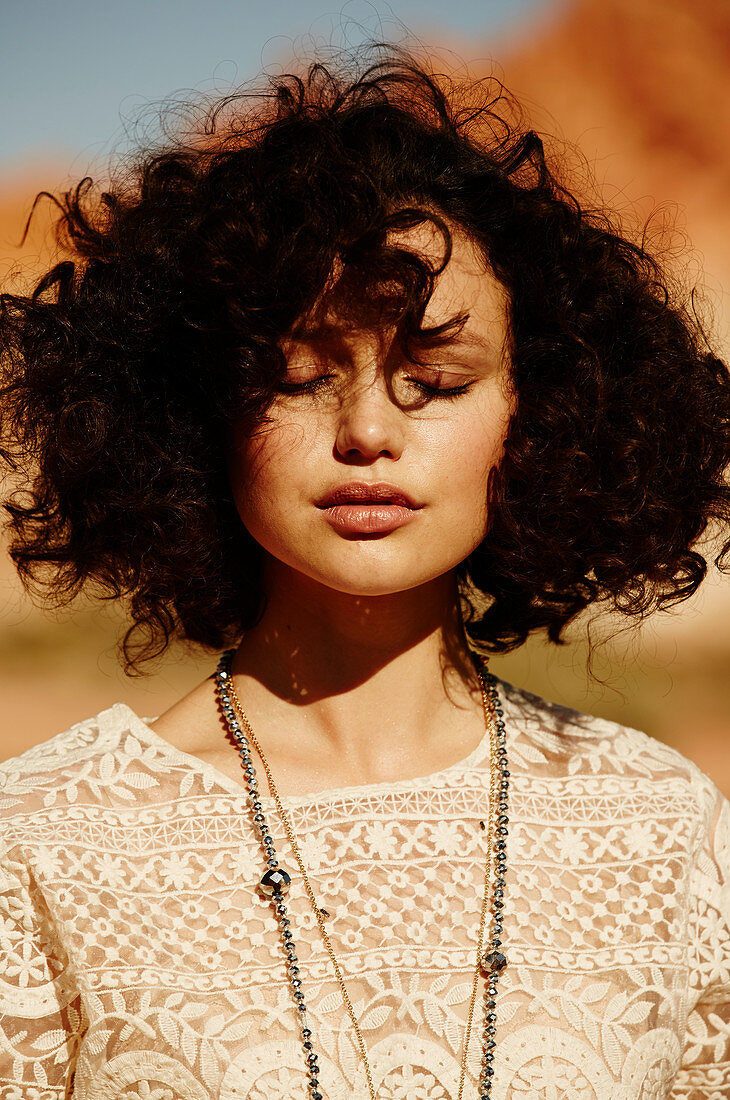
x,y
370,424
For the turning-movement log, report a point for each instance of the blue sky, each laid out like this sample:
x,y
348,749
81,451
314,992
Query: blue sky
x,y
71,71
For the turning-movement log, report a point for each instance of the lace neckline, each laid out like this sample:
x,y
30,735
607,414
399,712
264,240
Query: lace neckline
x,y
122,714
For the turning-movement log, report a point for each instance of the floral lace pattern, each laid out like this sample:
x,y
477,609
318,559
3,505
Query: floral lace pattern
x,y
138,960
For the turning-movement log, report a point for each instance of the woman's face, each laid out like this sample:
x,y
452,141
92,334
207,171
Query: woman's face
x,y
352,489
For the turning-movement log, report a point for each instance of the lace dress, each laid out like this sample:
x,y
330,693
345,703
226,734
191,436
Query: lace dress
x,y
138,960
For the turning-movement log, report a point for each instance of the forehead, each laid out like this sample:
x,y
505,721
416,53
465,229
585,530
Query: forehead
x,y
465,285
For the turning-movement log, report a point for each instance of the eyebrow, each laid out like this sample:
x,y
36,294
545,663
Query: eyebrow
x,y
469,340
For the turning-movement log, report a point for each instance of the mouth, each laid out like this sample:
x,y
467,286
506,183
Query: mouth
x,y
362,493
361,510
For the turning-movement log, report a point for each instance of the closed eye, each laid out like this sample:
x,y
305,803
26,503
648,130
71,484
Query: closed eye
x,y
309,386
439,391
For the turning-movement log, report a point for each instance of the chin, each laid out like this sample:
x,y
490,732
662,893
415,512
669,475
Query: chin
x,y
372,582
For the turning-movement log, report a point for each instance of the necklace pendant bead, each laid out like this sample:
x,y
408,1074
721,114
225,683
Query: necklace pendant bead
x,y
493,960
275,881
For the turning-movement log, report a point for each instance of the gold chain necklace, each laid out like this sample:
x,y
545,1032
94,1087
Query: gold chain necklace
x,y
276,880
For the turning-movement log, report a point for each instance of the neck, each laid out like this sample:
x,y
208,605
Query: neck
x,y
359,669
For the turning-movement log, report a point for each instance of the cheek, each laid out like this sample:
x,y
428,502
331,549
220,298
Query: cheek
x,y
473,446
264,469
467,455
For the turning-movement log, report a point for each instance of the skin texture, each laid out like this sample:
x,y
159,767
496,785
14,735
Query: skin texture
x,y
357,672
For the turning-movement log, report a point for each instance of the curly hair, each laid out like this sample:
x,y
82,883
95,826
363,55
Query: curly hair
x,y
124,368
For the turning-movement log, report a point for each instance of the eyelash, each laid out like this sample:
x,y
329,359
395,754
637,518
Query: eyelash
x,y
428,391
447,391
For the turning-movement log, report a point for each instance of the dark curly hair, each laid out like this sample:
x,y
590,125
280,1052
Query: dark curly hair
x,y
125,367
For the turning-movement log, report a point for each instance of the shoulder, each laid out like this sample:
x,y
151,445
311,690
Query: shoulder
x,y
98,759
574,750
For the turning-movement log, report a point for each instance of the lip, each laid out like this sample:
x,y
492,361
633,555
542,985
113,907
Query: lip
x,y
368,508
367,493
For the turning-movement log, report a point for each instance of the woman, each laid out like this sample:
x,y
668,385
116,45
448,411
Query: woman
x,y
349,383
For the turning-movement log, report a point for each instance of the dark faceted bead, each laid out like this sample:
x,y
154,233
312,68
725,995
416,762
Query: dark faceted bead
x,y
308,1044
306,1032
317,1096
502,831
490,1029
490,1044
491,1017
498,903
489,1071
488,1058
494,960
301,1007
498,893
268,839
501,845
275,881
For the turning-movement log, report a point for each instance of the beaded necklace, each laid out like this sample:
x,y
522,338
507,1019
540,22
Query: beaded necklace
x,y
276,880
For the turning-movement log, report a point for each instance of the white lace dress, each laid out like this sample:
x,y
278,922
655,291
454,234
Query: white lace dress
x,y
138,960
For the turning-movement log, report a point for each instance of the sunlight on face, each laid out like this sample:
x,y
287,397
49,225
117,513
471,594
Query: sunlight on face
x,y
426,435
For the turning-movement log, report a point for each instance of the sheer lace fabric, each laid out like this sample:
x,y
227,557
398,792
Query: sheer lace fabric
x,y
138,959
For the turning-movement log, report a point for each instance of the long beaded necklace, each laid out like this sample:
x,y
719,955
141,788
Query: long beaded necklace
x,y
276,880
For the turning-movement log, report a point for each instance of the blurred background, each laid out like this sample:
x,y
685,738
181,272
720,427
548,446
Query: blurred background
x,y
640,87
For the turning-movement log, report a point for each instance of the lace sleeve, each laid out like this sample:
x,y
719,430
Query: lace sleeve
x,y
41,1018
705,1068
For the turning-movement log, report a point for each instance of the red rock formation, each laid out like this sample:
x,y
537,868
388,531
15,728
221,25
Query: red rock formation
x,y
643,87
